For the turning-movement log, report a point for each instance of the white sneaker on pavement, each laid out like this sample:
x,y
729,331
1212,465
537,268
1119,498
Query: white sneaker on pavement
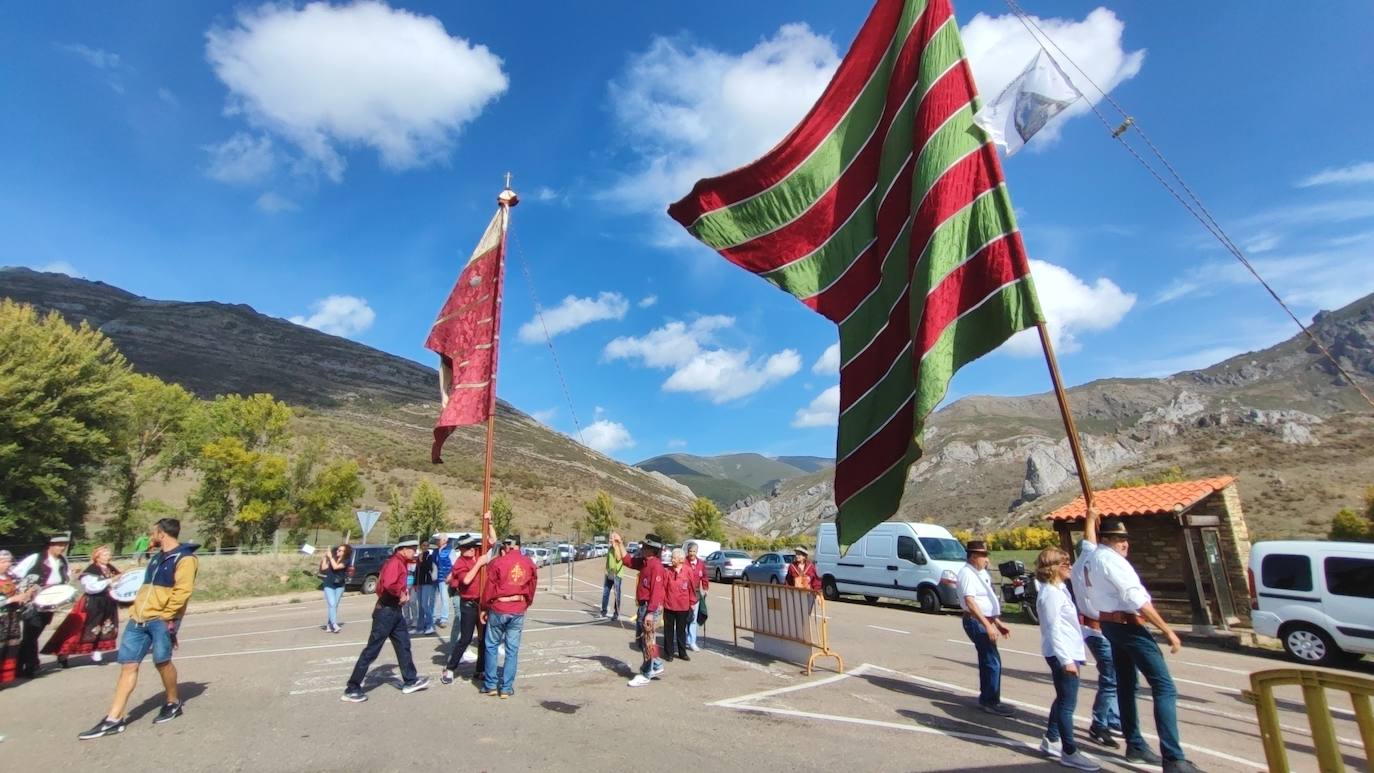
x,y
468,657
1051,748
639,681
1081,761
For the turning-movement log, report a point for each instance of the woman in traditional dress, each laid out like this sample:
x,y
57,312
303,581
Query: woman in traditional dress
x,y
93,624
12,603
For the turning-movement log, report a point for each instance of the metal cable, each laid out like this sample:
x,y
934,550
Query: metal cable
x,y
1196,208
539,314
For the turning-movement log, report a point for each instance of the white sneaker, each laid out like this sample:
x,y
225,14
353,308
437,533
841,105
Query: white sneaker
x,y
655,673
693,648
1081,761
468,657
639,681
97,656
1051,748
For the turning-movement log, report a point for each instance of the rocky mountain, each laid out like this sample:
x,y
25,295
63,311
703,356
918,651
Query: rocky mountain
x,y
1282,419
373,406
730,479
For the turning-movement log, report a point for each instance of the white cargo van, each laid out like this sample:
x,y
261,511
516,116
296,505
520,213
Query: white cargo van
x,y
897,560
1315,597
705,547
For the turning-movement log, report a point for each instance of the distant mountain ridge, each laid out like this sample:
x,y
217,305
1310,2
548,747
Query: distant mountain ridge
x,y
373,406
730,478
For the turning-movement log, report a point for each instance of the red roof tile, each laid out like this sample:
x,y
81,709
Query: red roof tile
x,y
1144,500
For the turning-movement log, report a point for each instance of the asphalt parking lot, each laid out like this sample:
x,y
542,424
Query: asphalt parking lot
x,y
261,688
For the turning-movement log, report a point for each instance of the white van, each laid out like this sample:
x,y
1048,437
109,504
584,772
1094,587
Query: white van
x,y
897,560
705,547
1315,597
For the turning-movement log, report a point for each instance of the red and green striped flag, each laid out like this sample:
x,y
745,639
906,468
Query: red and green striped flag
x,y
884,210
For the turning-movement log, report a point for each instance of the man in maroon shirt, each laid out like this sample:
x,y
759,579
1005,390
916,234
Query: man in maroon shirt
x,y
509,591
649,594
801,573
463,582
388,622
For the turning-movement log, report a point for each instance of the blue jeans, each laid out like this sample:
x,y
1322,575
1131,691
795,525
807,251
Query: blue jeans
x,y
607,585
989,663
692,627
1105,713
139,638
331,605
425,620
1133,648
502,629
441,602
1060,727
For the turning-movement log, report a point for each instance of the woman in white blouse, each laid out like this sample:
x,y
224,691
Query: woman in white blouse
x,y
92,626
1061,642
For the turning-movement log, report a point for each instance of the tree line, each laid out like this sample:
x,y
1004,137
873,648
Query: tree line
x,y
75,418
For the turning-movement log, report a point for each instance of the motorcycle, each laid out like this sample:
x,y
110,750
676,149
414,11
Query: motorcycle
x,y
1021,587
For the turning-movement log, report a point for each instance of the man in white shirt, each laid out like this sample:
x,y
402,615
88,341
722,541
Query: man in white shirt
x,y
50,568
1105,715
1114,588
983,625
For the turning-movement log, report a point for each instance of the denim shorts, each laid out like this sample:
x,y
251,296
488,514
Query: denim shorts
x,y
139,638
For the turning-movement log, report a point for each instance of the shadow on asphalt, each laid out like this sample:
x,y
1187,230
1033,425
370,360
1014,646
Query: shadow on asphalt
x,y
609,663
186,692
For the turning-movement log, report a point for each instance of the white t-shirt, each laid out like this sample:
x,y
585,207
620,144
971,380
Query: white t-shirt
x,y
978,584
28,565
1059,631
1080,586
1112,584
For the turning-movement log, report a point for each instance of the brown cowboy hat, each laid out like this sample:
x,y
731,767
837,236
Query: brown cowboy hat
x,y
976,546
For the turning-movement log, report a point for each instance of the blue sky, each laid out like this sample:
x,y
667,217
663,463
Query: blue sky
x,y
337,163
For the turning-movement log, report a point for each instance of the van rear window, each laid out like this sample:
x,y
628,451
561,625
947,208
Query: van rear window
x,y
1350,576
1282,571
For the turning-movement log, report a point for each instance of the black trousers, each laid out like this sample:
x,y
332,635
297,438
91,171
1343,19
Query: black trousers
x,y
467,623
28,642
675,632
387,623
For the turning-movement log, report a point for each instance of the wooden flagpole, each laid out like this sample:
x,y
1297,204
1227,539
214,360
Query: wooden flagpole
x,y
506,200
1074,445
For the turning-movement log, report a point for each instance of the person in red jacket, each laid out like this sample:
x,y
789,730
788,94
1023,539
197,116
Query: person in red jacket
x,y
704,584
648,600
679,598
465,585
509,591
388,622
801,573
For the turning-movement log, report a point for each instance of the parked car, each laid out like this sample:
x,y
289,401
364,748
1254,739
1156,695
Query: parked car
x,y
563,553
1315,597
913,561
600,550
539,556
769,567
727,564
584,552
365,566
632,548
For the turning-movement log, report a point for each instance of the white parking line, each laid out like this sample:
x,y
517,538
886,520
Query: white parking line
x,y
892,630
1216,668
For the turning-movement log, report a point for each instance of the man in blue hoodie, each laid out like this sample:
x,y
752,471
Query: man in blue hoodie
x,y
445,564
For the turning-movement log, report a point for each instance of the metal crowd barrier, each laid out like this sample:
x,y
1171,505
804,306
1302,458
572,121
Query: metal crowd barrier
x,y
1314,685
783,612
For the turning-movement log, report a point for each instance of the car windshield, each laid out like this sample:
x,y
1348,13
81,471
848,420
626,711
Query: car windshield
x,y
790,557
736,554
944,549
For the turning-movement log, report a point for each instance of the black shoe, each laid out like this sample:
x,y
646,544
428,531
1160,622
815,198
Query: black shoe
x,y
1180,766
1103,737
446,677
104,727
354,695
1143,757
667,658
170,711
683,656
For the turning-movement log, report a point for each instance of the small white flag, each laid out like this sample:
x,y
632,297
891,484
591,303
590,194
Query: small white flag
x,y
1038,94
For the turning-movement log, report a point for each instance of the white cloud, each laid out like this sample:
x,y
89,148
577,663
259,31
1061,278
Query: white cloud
x,y
1345,175
545,193
719,373
677,443
324,76
544,416
62,267
272,202
1071,307
1320,279
691,111
607,436
95,57
340,315
241,160
1000,47
573,313
829,362
165,94
648,301
824,411
1262,242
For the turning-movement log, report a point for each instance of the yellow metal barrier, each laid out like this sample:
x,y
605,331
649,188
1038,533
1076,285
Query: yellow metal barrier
x,y
1314,685
783,612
